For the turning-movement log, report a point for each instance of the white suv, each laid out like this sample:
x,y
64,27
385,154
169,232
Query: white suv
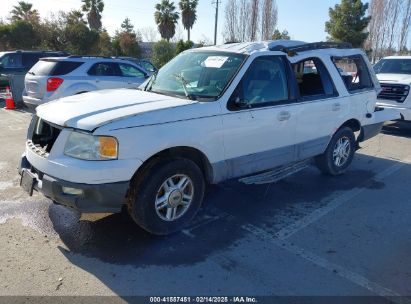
x,y
57,77
394,74
209,115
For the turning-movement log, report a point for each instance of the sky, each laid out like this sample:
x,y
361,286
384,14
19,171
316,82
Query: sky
x,y
304,19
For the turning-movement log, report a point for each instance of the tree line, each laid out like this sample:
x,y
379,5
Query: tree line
x,y
81,31
251,20
381,27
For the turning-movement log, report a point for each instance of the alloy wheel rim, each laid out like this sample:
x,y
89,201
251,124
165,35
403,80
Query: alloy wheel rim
x,y
174,197
341,151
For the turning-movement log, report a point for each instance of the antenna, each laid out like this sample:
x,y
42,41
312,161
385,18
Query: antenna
x,y
217,3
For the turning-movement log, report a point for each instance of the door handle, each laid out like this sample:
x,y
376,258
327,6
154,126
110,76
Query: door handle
x,y
283,115
336,106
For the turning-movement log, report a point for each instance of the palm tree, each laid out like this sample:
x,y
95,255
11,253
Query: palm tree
x,y
93,8
24,11
188,14
166,18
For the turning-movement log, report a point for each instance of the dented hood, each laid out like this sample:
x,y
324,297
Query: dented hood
x,y
90,110
394,78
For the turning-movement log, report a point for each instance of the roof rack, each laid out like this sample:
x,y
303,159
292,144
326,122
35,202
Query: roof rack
x,y
88,56
311,46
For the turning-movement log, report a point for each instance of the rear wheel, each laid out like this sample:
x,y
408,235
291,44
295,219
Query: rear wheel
x,y
167,196
339,154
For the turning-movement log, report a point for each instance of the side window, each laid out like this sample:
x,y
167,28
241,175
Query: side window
x,y
264,83
148,66
104,69
313,79
12,60
30,59
130,71
354,73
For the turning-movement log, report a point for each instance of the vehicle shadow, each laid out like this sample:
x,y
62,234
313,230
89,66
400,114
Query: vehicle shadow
x,y
117,241
397,128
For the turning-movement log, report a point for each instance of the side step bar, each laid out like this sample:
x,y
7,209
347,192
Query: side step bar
x,y
277,174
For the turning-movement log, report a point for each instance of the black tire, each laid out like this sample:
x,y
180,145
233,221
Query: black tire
x,y
145,188
326,162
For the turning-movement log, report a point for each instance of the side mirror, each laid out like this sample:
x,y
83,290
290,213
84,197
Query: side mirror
x,y
239,102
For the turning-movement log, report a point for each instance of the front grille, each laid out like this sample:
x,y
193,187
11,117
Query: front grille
x,y
42,136
395,92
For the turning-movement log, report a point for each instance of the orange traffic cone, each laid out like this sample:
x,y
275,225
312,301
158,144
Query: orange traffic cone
x,y
9,100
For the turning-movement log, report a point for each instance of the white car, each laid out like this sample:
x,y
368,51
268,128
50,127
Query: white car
x,y
394,74
209,115
56,77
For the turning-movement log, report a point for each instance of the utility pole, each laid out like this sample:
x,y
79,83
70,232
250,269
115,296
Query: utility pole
x,y
217,3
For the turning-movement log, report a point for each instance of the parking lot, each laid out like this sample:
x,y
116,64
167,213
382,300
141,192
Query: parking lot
x,y
307,235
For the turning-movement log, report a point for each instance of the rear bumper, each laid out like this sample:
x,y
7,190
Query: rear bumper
x,y
404,111
376,121
94,198
32,102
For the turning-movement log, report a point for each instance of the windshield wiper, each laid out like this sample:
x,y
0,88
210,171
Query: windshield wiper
x,y
184,83
31,73
151,82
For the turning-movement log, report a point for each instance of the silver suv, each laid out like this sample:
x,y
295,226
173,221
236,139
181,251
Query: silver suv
x,y
53,77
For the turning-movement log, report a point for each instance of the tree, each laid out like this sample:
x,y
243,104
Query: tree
x,y
231,32
19,34
104,44
181,46
188,14
93,8
166,19
162,53
74,17
79,39
280,35
269,16
24,12
149,34
254,20
126,40
405,26
348,22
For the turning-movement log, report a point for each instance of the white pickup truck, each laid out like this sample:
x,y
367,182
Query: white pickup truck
x,y
394,74
209,115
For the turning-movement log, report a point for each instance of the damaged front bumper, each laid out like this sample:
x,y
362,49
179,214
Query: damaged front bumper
x,y
85,198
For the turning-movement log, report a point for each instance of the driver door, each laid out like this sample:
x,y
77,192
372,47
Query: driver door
x,y
259,128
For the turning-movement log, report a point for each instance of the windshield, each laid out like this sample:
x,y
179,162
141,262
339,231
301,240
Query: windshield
x,y
197,75
393,66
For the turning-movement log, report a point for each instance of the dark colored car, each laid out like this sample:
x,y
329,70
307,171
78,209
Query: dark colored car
x,y
20,62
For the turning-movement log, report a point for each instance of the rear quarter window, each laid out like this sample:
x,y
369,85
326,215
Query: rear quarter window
x,y
65,67
354,72
54,68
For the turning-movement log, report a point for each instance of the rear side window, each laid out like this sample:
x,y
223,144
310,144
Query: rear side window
x,y
43,68
313,79
65,67
54,68
354,73
104,69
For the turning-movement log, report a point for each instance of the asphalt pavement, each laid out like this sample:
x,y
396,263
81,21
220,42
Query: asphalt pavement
x,y
307,235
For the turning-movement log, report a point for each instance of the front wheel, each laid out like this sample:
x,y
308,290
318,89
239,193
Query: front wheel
x,y
339,154
167,196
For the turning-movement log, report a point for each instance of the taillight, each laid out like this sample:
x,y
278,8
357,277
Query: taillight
x,y
53,83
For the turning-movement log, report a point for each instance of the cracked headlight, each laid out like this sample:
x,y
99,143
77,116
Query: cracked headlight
x,y
90,147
